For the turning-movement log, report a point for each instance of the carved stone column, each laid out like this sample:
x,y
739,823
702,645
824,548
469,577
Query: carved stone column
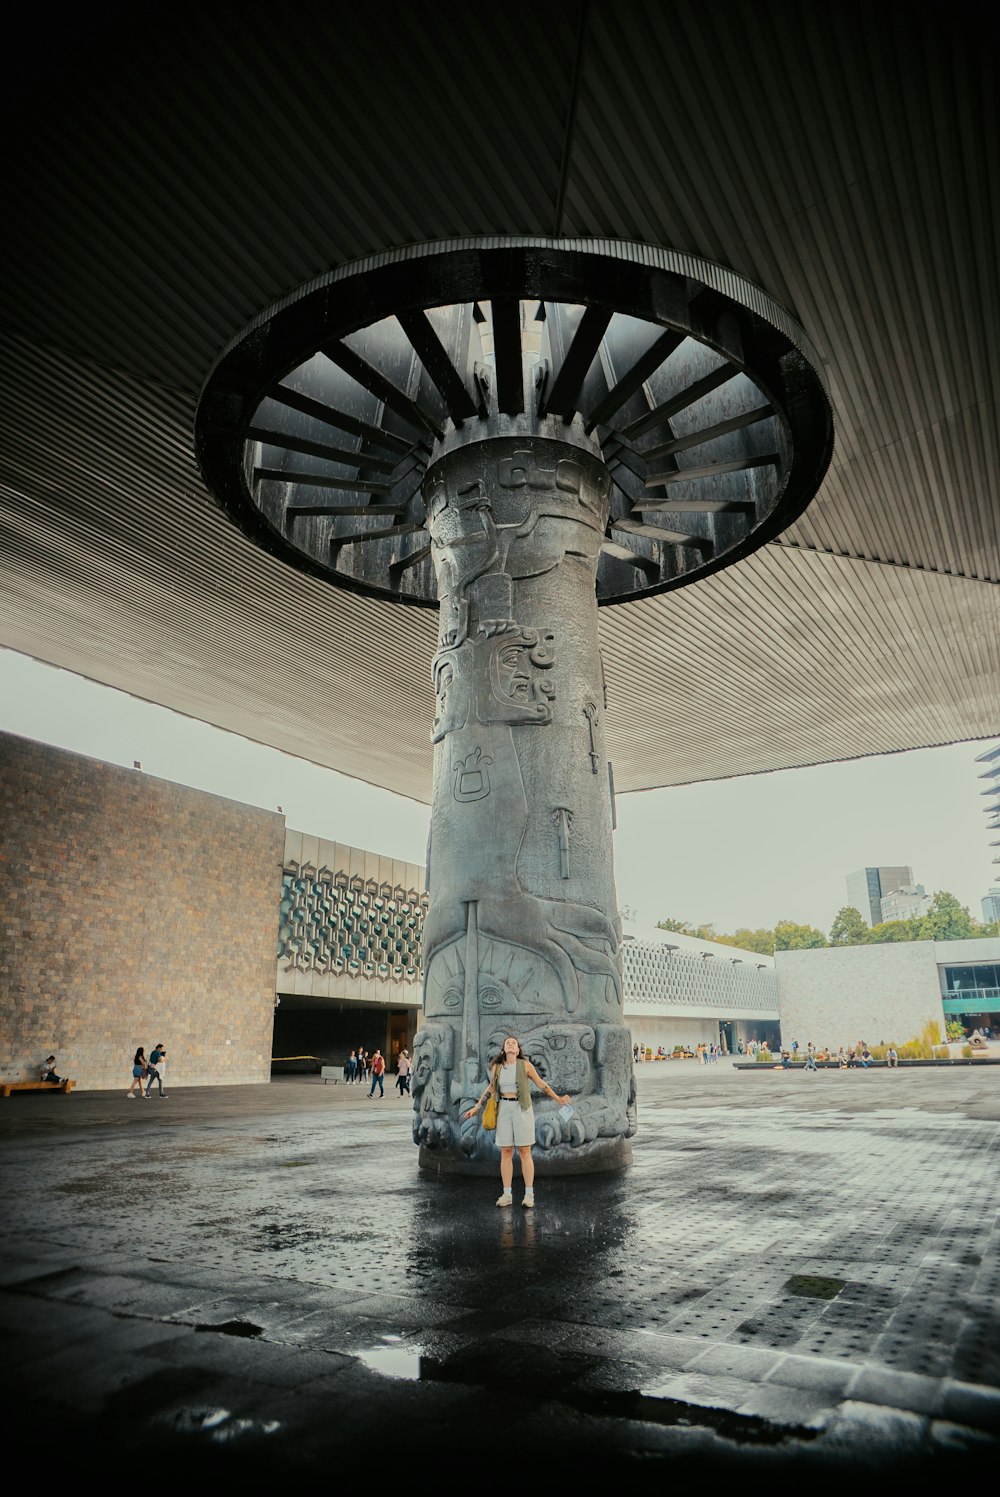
x,y
522,932
431,424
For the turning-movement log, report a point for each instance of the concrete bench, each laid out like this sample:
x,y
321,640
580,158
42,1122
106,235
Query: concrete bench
x,y
331,1073
7,1087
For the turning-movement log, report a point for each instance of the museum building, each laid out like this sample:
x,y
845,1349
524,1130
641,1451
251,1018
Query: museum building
x,y
135,911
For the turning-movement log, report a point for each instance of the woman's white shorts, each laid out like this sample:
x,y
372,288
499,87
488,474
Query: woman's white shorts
x,y
515,1128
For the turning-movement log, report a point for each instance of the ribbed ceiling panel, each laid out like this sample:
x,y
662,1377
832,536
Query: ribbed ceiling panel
x,y
842,157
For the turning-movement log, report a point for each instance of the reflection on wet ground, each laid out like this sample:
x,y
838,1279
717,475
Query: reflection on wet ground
x,y
792,1272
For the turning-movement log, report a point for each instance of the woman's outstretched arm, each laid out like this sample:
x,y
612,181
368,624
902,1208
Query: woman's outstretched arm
x,y
540,1082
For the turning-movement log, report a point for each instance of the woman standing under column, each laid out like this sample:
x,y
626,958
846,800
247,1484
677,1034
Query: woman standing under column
x,y
510,1074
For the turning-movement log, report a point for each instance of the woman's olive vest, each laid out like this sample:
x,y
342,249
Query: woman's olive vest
x,y
523,1090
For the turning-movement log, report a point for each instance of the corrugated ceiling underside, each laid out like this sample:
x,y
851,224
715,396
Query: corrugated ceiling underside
x,y
170,189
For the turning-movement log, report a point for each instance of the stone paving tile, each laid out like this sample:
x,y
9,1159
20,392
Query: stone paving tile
x,y
832,1378
612,1375
258,1360
739,1361
899,1390
968,1404
711,1391
803,1408
60,1374
270,1314
656,1349
579,1306
976,1353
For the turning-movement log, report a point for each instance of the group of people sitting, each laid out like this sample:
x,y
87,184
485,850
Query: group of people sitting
x,y
855,1057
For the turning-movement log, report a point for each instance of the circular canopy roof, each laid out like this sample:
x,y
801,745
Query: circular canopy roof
x,y
316,426
162,197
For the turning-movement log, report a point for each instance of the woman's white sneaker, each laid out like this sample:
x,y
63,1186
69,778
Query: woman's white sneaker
x,y
529,1200
506,1199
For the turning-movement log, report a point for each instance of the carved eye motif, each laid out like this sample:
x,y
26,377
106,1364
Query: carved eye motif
x,y
453,998
490,997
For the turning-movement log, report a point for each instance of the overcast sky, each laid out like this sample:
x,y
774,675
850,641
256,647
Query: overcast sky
x,y
737,852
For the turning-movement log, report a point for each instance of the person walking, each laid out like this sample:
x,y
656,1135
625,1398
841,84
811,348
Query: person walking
x,y
352,1067
511,1075
811,1057
138,1073
157,1066
378,1073
403,1067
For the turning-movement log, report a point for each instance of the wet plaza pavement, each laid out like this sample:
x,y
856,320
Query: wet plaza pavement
x,y
799,1273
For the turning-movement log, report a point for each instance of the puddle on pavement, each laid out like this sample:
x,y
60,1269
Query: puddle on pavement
x,y
394,1358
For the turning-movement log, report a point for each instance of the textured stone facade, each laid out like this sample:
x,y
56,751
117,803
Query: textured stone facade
x,y
132,911
351,924
841,994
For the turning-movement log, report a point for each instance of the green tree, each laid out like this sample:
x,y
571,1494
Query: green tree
x,y
761,941
849,929
896,930
685,928
788,936
946,920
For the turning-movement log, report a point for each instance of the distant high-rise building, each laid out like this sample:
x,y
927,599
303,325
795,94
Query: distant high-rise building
x,y
991,774
990,903
866,888
909,903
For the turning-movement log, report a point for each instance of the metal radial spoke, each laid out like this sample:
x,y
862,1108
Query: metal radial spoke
x,y
580,355
507,352
646,365
383,389
645,564
330,416
433,355
296,511
709,433
401,564
681,400
695,506
410,528
320,449
320,481
702,543
618,454
712,470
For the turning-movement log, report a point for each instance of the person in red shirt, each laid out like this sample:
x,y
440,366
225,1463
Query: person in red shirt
x,y
378,1075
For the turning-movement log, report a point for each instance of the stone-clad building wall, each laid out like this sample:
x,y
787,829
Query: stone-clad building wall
x,y
838,995
132,911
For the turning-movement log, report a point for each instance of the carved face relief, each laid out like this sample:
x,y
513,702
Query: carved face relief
x,y
563,1051
513,681
513,691
451,693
